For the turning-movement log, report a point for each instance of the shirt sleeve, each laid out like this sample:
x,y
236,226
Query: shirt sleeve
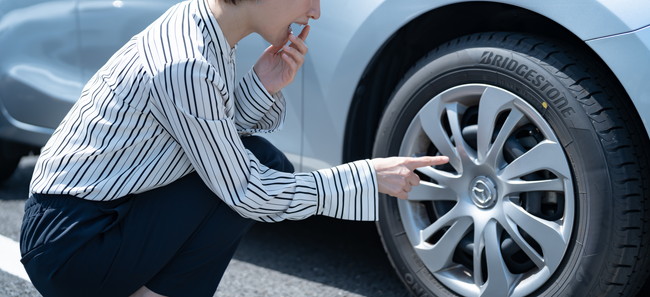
x,y
188,95
255,109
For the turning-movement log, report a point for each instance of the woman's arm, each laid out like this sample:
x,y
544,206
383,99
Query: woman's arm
x,y
259,104
187,93
256,110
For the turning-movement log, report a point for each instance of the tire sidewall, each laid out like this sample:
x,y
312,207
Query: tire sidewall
x,y
532,77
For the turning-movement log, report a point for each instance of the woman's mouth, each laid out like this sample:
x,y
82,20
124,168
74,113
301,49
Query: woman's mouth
x,y
296,27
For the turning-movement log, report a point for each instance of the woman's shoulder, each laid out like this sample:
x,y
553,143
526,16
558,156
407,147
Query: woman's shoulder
x,y
176,37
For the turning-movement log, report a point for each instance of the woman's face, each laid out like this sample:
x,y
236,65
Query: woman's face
x,y
276,16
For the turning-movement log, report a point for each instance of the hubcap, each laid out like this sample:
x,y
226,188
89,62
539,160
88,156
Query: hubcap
x,y
497,218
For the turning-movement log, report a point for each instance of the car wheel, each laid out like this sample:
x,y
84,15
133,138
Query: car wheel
x,y
544,191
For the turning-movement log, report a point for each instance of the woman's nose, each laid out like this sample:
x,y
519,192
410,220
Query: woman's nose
x,y
314,12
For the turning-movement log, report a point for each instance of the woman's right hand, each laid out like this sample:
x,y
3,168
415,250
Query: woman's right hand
x,y
278,65
396,176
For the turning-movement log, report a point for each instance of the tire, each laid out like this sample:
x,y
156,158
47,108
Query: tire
x,y
546,190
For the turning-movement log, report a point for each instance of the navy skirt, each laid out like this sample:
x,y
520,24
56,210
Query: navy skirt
x,y
176,240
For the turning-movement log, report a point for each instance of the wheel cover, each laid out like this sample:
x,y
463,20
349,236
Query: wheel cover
x,y
497,219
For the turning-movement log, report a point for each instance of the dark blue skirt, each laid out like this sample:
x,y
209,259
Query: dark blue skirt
x,y
176,240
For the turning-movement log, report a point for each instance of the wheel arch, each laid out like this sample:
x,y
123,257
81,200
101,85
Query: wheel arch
x,y
406,46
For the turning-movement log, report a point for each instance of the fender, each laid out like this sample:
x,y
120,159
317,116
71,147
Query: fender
x,y
346,48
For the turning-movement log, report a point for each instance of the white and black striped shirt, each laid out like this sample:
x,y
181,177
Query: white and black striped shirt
x,y
166,104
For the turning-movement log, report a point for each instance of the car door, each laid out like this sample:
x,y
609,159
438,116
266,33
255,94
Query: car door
x,y
106,25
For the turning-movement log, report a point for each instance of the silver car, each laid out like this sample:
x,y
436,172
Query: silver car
x,y
542,106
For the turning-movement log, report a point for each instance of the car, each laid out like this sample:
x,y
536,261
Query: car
x,y
542,106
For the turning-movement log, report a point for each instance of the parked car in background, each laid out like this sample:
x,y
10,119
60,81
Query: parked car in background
x,y
542,106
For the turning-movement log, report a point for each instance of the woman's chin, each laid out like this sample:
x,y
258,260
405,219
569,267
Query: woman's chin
x,y
280,41
276,41
279,38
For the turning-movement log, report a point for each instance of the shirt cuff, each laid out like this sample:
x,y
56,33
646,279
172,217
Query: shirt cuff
x,y
258,110
348,191
259,100
277,98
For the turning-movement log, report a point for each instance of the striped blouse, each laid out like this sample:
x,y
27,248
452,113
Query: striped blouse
x,y
166,104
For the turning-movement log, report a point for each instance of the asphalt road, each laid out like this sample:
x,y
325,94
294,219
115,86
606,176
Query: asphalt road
x,y
316,257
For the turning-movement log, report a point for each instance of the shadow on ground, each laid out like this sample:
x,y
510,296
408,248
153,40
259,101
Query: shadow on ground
x,y
341,254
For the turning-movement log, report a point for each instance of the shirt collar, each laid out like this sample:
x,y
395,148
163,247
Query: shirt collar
x,y
214,31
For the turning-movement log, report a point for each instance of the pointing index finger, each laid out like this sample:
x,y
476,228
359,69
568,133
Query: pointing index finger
x,y
418,162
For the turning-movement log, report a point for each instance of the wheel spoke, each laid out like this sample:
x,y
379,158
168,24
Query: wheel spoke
x,y
492,103
546,233
430,120
454,112
427,191
512,122
499,279
442,177
522,186
479,244
444,221
439,256
523,244
543,156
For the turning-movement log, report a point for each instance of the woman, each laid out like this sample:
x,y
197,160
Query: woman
x,y
150,181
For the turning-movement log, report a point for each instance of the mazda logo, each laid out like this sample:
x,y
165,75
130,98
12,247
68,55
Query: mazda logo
x,y
483,192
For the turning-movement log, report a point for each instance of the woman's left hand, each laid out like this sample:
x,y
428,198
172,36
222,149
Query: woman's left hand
x,y
278,65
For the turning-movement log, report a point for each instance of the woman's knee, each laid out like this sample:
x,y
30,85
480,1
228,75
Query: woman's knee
x,y
267,153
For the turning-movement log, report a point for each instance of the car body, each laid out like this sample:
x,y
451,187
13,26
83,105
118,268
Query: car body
x,y
367,65
346,41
